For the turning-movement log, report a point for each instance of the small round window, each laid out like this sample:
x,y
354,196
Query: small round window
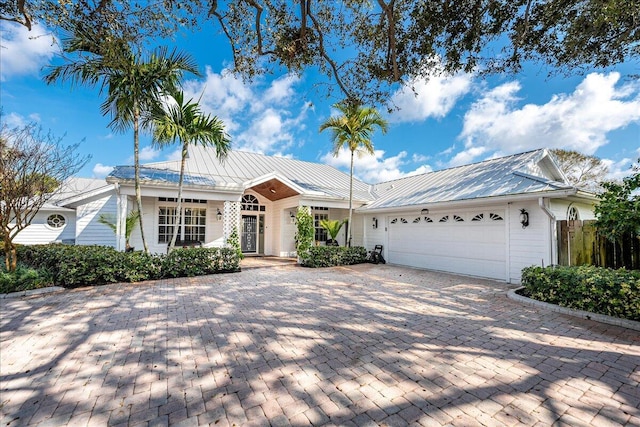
x,y
56,221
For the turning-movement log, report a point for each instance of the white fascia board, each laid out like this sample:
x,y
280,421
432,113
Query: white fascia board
x,y
54,208
227,192
473,202
75,200
328,202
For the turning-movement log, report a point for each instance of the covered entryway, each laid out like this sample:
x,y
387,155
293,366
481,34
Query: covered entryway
x,y
472,243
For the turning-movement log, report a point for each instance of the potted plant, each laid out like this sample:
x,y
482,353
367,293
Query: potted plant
x,y
131,221
333,227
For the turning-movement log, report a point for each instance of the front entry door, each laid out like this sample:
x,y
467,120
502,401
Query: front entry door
x,y
248,238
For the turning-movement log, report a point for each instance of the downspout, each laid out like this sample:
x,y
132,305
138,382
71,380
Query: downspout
x,y
552,228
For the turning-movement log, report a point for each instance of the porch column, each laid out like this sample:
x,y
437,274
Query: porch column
x,y
121,222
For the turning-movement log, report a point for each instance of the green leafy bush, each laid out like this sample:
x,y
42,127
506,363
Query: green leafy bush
x,y
23,279
199,261
75,266
329,256
594,289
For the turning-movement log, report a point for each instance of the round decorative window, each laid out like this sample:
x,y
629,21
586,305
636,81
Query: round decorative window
x,y
56,221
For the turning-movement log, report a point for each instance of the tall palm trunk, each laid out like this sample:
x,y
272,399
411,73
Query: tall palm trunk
x,y
350,203
178,223
136,166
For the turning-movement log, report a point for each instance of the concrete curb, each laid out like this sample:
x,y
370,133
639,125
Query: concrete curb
x,y
602,318
32,292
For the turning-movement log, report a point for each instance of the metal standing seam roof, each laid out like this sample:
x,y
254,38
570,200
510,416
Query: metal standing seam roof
x,y
204,168
524,173
74,187
511,175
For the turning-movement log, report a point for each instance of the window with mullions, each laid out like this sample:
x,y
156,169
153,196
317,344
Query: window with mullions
x,y
321,233
166,223
194,221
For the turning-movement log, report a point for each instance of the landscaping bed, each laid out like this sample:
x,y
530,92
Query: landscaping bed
x,y
331,256
594,289
76,266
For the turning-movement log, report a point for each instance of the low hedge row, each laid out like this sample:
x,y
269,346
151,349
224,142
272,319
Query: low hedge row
x,y
594,289
75,266
330,256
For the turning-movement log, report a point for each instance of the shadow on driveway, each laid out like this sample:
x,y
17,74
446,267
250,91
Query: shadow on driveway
x,y
368,344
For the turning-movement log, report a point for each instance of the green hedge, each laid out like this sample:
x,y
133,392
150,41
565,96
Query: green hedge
x,y
24,279
594,289
75,266
329,256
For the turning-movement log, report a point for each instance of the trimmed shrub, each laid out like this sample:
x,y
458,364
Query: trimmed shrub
x,y
199,261
23,279
594,289
75,266
330,256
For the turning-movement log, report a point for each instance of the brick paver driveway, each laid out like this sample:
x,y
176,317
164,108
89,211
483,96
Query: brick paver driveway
x,y
368,345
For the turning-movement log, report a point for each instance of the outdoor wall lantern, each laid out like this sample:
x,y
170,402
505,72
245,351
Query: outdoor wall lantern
x,y
292,217
375,223
524,218
424,212
219,215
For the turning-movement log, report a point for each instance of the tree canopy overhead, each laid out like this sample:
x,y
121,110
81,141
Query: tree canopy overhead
x,y
366,46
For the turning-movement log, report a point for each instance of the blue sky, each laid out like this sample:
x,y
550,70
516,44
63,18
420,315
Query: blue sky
x,y
442,121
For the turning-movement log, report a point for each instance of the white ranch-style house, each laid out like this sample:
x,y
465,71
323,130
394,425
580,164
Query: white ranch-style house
x,y
488,219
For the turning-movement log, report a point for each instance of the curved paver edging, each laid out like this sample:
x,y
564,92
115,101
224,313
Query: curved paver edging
x,y
32,292
602,318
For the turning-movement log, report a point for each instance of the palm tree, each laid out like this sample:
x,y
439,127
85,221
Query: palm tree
x,y
130,222
353,129
182,121
132,81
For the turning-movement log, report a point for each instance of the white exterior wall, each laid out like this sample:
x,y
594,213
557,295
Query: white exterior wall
x,y
357,229
560,208
283,231
370,236
527,246
39,232
88,230
150,209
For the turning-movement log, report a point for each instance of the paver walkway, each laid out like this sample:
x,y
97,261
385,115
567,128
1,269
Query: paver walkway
x,y
366,345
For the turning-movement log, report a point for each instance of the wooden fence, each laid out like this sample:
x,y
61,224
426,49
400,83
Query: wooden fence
x,y
580,244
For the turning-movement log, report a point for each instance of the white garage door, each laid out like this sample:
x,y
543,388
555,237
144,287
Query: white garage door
x,y
471,243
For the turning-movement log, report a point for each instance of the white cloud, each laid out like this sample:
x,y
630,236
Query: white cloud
x,y
23,51
263,117
577,121
619,169
101,171
15,120
146,154
175,155
373,168
428,97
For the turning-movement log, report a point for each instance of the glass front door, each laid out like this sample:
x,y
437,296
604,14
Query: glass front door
x,y
249,235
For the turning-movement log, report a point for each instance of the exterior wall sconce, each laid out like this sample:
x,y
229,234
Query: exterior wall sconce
x,y
424,212
219,215
374,223
292,217
524,218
